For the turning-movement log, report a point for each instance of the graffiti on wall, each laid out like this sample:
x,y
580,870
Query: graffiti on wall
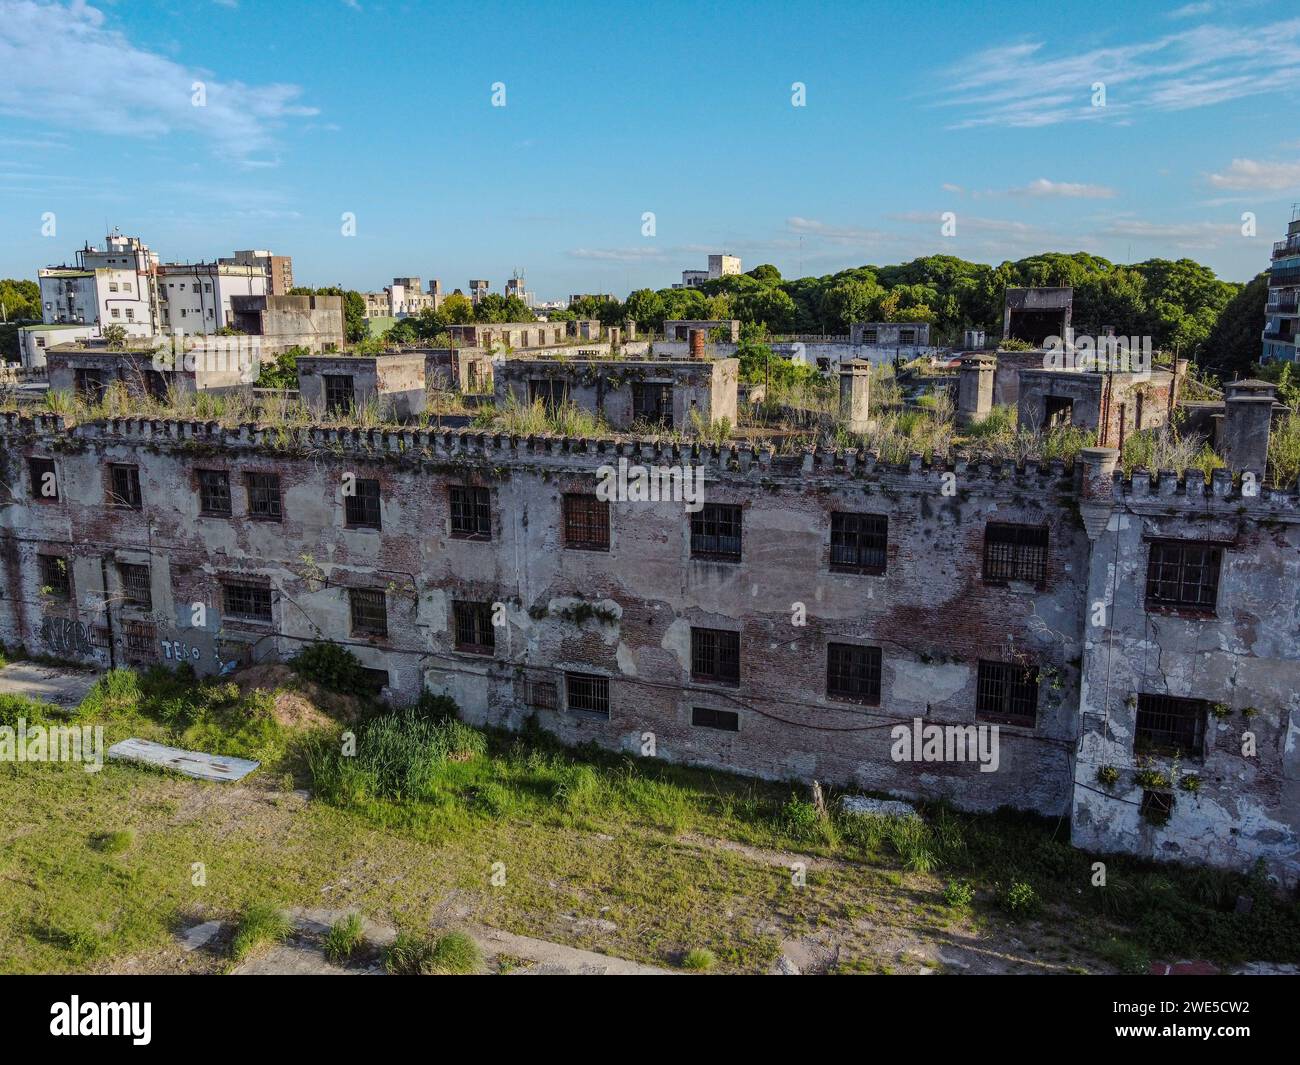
x,y
66,637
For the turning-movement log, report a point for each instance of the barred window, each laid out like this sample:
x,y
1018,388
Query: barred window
x,y
263,496
1007,693
586,522
136,587
475,632
853,672
214,493
340,393
361,508
722,720
126,486
1015,553
45,484
471,512
652,403
1183,574
1167,725
369,608
859,542
541,694
587,692
715,656
141,637
1157,806
715,532
54,576
244,600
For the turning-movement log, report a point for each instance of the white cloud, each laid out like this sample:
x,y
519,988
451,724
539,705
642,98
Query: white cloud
x,y
618,255
1024,84
1191,10
83,75
1184,235
1066,189
948,186
1251,174
834,234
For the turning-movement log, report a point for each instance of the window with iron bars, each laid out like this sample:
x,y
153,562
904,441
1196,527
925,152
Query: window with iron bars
x,y
136,587
586,522
45,484
340,393
475,633
1184,575
263,496
214,493
361,508
859,542
1168,725
853,673
1015,553
126,486
715,656
652,403
1007,693
141,637
716,532
243,600
54,576
587,692
471,512
541,694
722,720
89,385
369,608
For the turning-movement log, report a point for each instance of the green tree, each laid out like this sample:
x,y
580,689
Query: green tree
x,y
1234,342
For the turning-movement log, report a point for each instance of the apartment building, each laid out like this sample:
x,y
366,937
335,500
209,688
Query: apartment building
x,y
1281,313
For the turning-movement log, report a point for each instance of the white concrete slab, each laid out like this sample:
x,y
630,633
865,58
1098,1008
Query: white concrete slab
x,y
191,763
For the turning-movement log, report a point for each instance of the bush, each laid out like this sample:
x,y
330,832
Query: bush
x,y
958,893
699,959
801,820
452,954
260,924
397,756
1020,899
344,939
14,707
332,666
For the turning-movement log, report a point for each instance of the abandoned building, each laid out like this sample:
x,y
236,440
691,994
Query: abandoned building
x,y
682,328
343,384
508,334
312,322
902,335
1131,639
1035,314
665,393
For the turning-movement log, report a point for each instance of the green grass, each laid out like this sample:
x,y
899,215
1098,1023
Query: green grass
x,y
699,959
259,926
113,842
344,939
449,955
435,808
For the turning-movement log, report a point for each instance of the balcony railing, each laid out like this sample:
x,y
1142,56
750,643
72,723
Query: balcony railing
x,y
1282,248
1282,307
1287,338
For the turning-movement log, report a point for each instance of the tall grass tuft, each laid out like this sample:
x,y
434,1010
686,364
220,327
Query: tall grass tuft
x,y
259,925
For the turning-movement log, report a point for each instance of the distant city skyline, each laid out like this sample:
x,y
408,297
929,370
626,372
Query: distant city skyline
x,y
1038,129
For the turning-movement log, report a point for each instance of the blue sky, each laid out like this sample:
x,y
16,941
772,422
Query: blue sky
x,y
385,110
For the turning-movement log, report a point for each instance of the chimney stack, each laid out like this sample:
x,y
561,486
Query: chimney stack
x,y
855,395
975,389
1247,418
697,343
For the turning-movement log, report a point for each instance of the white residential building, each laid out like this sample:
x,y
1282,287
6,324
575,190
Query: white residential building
x,y
719,266
195,297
